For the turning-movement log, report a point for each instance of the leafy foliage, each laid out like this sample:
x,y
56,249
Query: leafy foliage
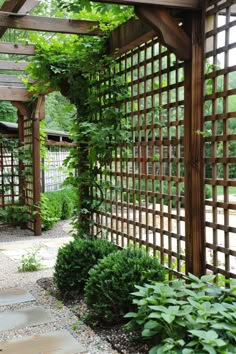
x,y
112,280
193,317
83,73
74,261
7,112
30,262
15,214
57,205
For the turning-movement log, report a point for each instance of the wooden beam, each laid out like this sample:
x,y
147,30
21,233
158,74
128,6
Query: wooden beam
x,y
23,109
11,6
129,35
12,65
48,24
16,94
17,48
181,4
170,33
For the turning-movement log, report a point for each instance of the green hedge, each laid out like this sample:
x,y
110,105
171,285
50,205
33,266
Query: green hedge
x,y
58,205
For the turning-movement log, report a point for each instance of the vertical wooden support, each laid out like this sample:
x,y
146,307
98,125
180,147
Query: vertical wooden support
x,y
37,115
194,162
21,163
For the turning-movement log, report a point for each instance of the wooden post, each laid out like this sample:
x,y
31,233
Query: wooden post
x,y
21,163
193,143
36,164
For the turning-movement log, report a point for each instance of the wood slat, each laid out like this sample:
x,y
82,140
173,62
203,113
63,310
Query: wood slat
x,y
16,94
12,65
16,48
4,78
186,4
48,24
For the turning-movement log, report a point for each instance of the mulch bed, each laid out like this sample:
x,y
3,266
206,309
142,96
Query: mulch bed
x,y
125,343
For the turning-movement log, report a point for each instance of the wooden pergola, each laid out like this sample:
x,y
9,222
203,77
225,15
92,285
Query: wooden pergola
x,y
180,28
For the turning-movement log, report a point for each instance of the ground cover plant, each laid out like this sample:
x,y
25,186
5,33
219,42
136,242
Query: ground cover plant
x,y
74,261
190,317
111,281
31,261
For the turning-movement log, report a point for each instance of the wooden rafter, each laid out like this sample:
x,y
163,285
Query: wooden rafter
x,y
48,24
16,48
127,36
182,4
13,5
28,6
167,28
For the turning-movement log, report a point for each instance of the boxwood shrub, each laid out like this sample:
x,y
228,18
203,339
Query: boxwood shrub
x,y
75,259
111,281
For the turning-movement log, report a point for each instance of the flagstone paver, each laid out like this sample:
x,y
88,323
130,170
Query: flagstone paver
x,y
14,296
26,317
58,342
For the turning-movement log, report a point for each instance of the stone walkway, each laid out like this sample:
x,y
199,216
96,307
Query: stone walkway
x,y
31,321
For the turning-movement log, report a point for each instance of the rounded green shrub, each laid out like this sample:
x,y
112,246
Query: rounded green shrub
x,y
111,282
75,259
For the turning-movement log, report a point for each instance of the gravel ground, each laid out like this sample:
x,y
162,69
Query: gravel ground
x,y
10,277
12,234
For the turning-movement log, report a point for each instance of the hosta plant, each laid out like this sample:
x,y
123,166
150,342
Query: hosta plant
x,y
189,317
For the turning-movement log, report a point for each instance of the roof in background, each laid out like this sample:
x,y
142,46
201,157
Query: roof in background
x,y
14,126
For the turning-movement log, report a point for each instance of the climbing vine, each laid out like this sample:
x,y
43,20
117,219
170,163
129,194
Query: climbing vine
x,y
82,71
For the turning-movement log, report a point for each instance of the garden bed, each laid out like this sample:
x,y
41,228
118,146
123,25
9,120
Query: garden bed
x,y
124,343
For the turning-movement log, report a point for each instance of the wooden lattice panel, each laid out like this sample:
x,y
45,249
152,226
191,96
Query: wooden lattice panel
x,y
220,137
9,172
28,188
145,204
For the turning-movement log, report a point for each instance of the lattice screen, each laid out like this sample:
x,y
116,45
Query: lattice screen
x,y
9,172
146,202
28,187
220,137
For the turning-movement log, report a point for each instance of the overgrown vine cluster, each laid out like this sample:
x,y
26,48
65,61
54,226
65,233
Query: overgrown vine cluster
x,y
81,70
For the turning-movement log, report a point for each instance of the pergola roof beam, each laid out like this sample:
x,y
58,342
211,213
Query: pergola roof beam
x,y
181,4
17,48
48,24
